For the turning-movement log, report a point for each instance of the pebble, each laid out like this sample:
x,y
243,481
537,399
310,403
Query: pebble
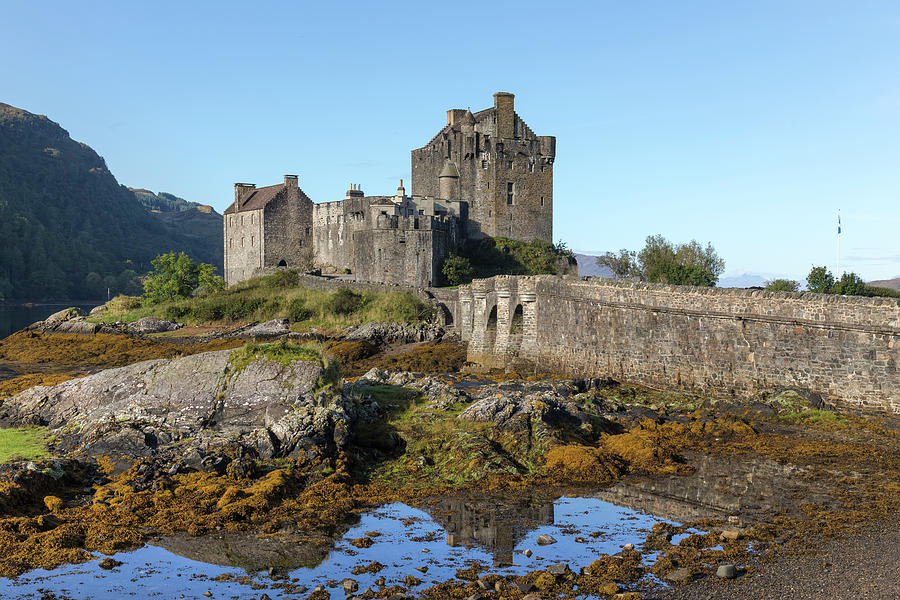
x,y
545,539
527,553
350,586
422,569
628,547
731,534
524,587
726,572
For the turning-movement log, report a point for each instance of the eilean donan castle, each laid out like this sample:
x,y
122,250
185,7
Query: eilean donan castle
x,y
483,174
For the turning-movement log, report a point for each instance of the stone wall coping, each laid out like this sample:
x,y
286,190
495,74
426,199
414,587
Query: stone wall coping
x,y
599,282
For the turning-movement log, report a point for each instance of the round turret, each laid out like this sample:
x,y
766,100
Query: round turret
x,y
449,182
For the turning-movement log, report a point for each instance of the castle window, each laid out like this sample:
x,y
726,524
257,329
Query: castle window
x,y
531,166
509,193
542,200
251,240
307,231
448,148
509,165
242,242
515,127
484,164
242,219
251,219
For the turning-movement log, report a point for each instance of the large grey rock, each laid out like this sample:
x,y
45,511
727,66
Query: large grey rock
x,y
263,404
272,328
726,572
153,325
97,310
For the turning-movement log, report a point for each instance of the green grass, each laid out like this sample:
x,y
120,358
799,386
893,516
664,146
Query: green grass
x,y
286,353
27,443
813,416
277,296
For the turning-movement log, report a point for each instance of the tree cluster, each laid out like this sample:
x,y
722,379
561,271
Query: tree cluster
x,y
821,281
660,261
176,277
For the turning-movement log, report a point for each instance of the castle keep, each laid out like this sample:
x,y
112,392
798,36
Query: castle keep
x,y
483,174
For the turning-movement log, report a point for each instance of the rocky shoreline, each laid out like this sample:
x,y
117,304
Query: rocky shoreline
x,y
271,438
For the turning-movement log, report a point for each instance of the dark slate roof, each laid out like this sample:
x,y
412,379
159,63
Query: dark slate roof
x,y
257,199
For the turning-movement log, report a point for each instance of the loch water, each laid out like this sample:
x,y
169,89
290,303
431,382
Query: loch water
x,y
13,318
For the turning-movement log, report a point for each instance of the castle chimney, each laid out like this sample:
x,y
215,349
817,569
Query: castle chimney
x,y
290,182
504,106
401,191
355,191
241,191
449,182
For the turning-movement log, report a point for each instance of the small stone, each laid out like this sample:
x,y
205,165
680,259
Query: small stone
x,y
524,587
682,575
731,535
628,547
350,586
726,572
545,539
734,520
628,596
527,553
208,594
558,569
422,569
109,563
484,585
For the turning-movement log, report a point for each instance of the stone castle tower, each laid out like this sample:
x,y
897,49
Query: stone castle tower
x,y
483,174
497,165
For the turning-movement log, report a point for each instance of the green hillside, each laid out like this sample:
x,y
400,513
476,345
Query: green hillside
x,y
69,229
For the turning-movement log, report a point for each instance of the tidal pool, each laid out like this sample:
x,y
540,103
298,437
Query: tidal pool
x,y
430,544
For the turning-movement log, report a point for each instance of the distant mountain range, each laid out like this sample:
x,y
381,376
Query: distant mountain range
x,y
69,229
891,284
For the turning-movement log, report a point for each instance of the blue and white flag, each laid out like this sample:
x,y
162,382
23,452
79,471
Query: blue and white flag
x,y
839,223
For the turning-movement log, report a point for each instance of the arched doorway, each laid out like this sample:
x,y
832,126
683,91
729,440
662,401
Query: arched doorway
x,y
516,327
490,331
282,263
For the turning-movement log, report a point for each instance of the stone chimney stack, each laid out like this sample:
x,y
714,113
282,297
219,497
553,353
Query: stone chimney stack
x,y
355,191
241,191
504,105
290,182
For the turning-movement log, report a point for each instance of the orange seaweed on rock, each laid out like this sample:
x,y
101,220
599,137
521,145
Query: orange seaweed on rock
x,y
11,387
583,464
99,349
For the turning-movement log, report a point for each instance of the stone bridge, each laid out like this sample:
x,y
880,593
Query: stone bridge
x,y
725,342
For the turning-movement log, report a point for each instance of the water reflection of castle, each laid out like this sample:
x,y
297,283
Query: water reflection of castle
x,y
495,525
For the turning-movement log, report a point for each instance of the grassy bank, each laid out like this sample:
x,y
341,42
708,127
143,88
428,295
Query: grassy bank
x,y
27,443
277,296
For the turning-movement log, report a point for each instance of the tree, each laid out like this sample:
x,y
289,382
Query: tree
x,y
176,277
783,285
661,262
820,280
623,265
851,284
457,270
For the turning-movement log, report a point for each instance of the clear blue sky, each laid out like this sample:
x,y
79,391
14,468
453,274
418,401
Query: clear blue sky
x,y
746,124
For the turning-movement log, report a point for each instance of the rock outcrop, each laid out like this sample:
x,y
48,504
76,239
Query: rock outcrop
x,y
271,409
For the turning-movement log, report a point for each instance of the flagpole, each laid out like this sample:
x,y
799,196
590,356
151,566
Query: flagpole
x,y
837,269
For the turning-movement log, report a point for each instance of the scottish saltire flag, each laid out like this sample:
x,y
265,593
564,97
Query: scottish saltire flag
x,y
839,223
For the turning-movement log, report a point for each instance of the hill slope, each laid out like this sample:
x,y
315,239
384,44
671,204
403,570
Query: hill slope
x,y
69,229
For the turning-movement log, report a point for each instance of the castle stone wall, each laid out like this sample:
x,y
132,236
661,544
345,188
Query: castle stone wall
x,y
244,244
706,340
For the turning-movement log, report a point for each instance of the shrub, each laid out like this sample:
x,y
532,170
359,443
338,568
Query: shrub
x,y
457,270
344,302
123,303
298,311
782,285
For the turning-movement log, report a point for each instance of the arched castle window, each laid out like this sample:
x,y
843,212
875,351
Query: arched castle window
x,y
516,327
282,263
